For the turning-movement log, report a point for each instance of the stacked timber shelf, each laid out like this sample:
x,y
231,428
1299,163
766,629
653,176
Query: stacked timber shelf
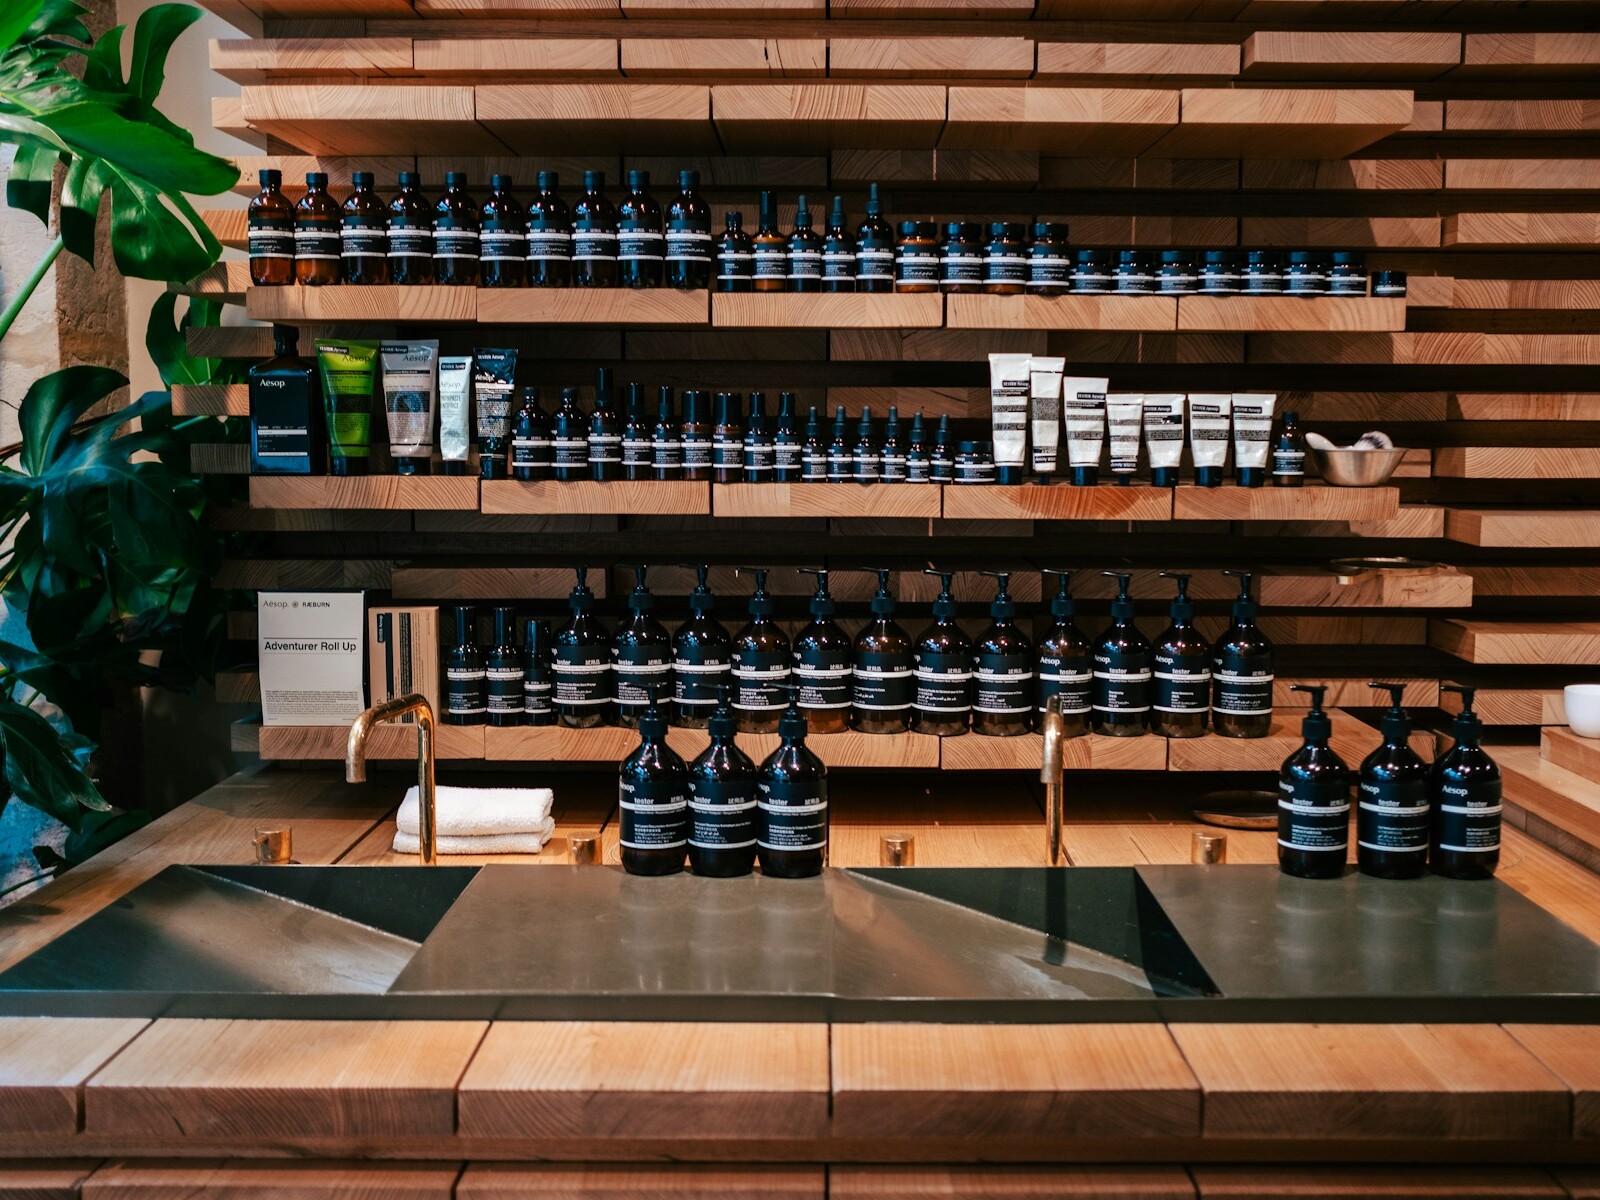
x,y
1455,140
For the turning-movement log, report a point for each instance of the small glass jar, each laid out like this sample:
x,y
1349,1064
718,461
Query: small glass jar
x,y
1347,275
1219,273
1262,275
916,257
1178,276
1305,275
1136,274
1049,262
961,260
975,462
1091,272
1005,259
1389,283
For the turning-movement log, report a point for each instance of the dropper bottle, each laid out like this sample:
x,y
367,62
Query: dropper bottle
x,y
569,439
841,463
1392,799
722,802
702,657
641,653
759,452
666,445
581,662
838,253
792,803
786,444
1066,661
813,454
918,468
694,443
866,465
1465,788
941,460
1314,800
942,704
874,248
605,431
805,252
1241,672
1002,698
761,663
823,664
892,457
653,800
1122,670
885,672
537,690
637,435
1183,671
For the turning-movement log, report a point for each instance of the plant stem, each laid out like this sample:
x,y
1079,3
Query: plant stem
x,y
29,286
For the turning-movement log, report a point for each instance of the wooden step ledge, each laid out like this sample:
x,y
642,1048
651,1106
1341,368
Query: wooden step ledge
x,y
1309,503
410,492
1524,528
1076,122
826,500
1580,755
45,1061
826,310
1522,230
1282,122
806,117
1350,54
584,496
358,302
1517,462
1544,789
355,119
593,118
1057,502
1518,643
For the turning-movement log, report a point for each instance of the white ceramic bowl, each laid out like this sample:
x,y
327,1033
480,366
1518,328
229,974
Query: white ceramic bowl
x,y
1583,708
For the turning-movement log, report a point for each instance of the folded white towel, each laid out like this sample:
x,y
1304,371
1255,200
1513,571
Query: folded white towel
x,y
531,842
477,812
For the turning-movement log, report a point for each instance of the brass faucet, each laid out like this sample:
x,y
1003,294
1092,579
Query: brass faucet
x,y
1052,773
355,761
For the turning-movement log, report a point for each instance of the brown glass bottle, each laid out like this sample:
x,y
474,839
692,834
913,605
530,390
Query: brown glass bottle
x,y
735,256
771,250
316,234
761,666
641,246
805,253
549,236
594,235
270,221
455,234
410,233
874,248
688,236
502,237
364,234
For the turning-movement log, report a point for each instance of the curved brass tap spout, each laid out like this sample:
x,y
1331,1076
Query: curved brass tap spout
x,y
355,761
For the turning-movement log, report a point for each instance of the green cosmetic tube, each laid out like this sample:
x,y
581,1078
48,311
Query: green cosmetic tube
x,y
349,371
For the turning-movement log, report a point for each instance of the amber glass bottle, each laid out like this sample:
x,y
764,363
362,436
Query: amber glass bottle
x,y
688,236
316,234
455,234
771,250
410,233
594,235
549,236
364,234
641,248
805,253
735,256
503,237
270,221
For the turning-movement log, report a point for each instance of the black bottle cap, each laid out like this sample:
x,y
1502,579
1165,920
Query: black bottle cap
x,y
837,217
412,466
1222,258
1009,476
1182,606
1176,258
963,231
1209,477
317,179
604,393
769,209
1467,728
874,205
270,178
640,600
1085,476
528,396
1292,417
1093,258
760,603
1251,477
535,637
653,722
548,181
1164,477
688,180
792,725
838,422
758,406
787,401
580,598
1122,606
1261,258
1302,258
1050,230
944,605
491,466
813,423
891,423
341,464
822,602
638,181
410,179
802,215
501,183
1244,608
1349,258
701,600
925,230
916,428
285,339
883,599
1001,608
864,425
634,404
1316,727
941,435
463,615
505,623
455,179
720,724
593,181
1396,726
664,413
694,405
362,179
1062,605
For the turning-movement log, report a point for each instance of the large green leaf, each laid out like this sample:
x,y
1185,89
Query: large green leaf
x,y
29,182
54,404
150,240
15,19
39,769
137,150
102,67
158,27
81,189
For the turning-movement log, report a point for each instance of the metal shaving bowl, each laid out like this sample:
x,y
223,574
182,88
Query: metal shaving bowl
x,y
1357,468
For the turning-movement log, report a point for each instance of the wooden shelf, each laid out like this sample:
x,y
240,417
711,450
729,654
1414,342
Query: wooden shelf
x,y
364,491
623,307
1136,313
211,400
1249,314
1522,230
387,742
809,117
1232,503
825,500
596,118
1349,55
1519,643
1517,462
910,751
1512,706
355,302
354,119
1074,122
1057,502
970,752
1446,588
1580,755
503,496
1282,122
1543,788
824,310
1524,528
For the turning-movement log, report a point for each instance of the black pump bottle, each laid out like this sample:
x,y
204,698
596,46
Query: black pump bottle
x,y
885,672
666,443
1392,799
942,703
466,685
1183,671
503,670
1465,789
581,663
760,664
1122,670
792,803
653,800
1314,800
1241,672
722,802
1002,693
822,664
1066,662
702,657
641,654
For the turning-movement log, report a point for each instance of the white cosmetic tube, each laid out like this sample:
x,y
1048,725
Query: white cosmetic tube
x,y
1163,436
410,391
1252,435
1125,415
1044,412
1083,407
1210,415
455,417
1008,412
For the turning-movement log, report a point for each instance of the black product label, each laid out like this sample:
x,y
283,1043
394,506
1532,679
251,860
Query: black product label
x,y
1090,279
941,467
279,431
1121,683
822,677
1469,816
530,452
688,242
465,691
605,447
548,243
1048,269
813,465
918,469
786,456
771,260
1178,281
666,452
805,262
697,679
569,451
735,264
726,452
1241,684
1288,462
875,260
1314,815
536,694
505,689
655,813
1005,266
894,466
316,242
271,239
962,264
1183,683
454,240
360,238
593,241
582,674
1002,683
792,813
884,682
760,456
760,680
637,451
865,466
722,813
503,240
838,262
636,669
1070,678
1393,815
841,466
917,264
638,242
943,684
410,238
696,450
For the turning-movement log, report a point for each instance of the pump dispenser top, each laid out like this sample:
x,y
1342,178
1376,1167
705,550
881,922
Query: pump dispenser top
x,y
653,722
1182,606
1316,727
580,599
1122,606
701,600
883,599
1002,608
1396,726
1467,729
822,602
944,605
760,603
1062,605
792,725
640,600
1244,608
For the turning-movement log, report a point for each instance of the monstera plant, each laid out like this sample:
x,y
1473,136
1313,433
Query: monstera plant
x,y
106,556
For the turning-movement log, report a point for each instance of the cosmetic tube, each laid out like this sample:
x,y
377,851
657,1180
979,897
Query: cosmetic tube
x,y
348,371
1083,406
1008,411
1163,436
1044,412
1252,436
1124,414
1210,415
493,377
410,386
455,405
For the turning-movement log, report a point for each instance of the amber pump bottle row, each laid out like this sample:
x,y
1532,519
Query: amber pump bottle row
x,y
881,680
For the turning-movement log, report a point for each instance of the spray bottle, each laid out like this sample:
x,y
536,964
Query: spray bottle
x,y
943,702
1002,694
1465,790
1066,662
1182,671
1392,799
822,664
1314,800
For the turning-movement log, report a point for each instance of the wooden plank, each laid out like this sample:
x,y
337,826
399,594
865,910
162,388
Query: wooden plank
x,y
974,752
518,8
1580,755
1523,528
624,308
1461,348
1549,791
227,225
930,57
1527,643
973,168
1349,174
364,491
1058,502
553,743
803,117
222,1079
765,9
353,302
1011,1182
227,116
665,496
132,1179
1252,313
1529,55
211,400
1522,174
825,500
688,1082
1080,122
1518,118
1348,54
353,119
664,57
254,60
591,118
473,583
965,1081
1513,706
227,281
1517,462
388,742
219,460
1155,313
1400,1181
911,10
1579,1183
475,58
826,310
1344,233
1447,588
619,1181
1572,1054
1136,61
44,1062
1379,1082
41,1179
1282,122
1521,230
1285,504
1569,294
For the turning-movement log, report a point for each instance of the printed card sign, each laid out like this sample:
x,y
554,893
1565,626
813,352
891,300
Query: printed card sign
x,y
309,646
